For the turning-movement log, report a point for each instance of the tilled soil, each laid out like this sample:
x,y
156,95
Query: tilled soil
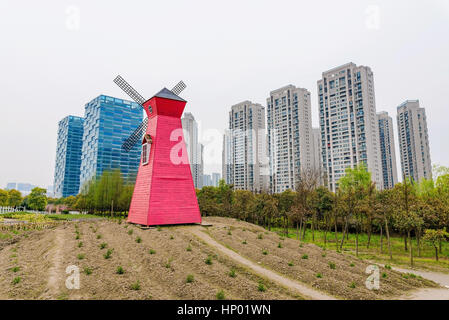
x,y
310,264
41,259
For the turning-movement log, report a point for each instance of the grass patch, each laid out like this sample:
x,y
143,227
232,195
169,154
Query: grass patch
x,y
15,269
16,280
108,254
152,251
80,256
332,265
138,239
261,287
80,244
220,295
103,245
190,278
232,273
135,286
319,275
305,257
208,260
120,270
87,270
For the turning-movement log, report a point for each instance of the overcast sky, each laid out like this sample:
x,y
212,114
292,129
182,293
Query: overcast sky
x,y
57,55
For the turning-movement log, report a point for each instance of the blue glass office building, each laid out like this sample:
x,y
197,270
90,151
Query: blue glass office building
x,y
68,156
108,122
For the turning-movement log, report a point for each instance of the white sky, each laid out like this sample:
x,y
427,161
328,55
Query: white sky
x,y
52,63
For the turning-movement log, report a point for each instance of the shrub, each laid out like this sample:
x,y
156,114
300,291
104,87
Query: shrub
x,y
352,265
15,269
80,256
135,285
323,255
80,244
220,295
168,264
151,251
232,273
108,254
190,278
229,233
87,270
352,285
208,260
332,265
189,248
387,267
77,237
265,252
305,257
120,270
279,245
290,264
301,245
103,245
138,239
244,242
16,280
319,275
99,236
384,275
259,236
130,231
261,287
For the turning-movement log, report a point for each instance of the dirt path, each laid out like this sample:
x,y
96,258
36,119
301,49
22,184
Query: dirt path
x,y
54,272
302,289
428,294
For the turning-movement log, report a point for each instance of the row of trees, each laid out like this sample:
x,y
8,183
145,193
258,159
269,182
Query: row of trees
x,y
419,210
36,200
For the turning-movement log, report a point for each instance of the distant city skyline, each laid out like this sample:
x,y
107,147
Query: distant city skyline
x,y
55,65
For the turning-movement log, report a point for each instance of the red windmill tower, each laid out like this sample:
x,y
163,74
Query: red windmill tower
x,y
164,192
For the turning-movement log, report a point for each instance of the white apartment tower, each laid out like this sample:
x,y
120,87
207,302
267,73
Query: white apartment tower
x,y
194,149
387,150
316,149
247,157
348,122
289,136
414,141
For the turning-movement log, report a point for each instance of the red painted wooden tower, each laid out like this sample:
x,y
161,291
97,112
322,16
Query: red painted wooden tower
x,y
164,192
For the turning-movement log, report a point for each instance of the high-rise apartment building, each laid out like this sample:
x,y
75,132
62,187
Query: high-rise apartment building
x,y
387,150
348,122
108,122
316,149
226,160
215,179
289,120
68,156
248,158
414,141
194,149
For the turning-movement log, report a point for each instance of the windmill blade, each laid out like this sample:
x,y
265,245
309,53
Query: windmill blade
x,y
179,88
129,90
136,136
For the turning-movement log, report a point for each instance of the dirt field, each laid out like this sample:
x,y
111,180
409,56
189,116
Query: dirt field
x,y
157,263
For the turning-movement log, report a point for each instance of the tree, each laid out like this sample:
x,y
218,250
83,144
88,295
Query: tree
x,y
285,202
435,237
354,186
14,198
243,204
37,199
384,210
3,197
323,206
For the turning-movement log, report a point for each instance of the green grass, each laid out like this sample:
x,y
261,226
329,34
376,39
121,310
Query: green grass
x,y
220,295
232,273
87,270
108,254
261,287
152,251
103,245
190,278
120,270
16,280
208,260
80,256
135,286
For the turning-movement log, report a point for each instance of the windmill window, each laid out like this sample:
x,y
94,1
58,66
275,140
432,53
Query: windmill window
x,y
146,147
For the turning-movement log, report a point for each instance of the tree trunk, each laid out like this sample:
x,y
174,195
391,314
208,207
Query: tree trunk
x,y
304,231
388,239
344,233
441,250
300,229
405,243
411,248
369,237
313,228
357,243
436,253
297,230
336,234
418,243
381,239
